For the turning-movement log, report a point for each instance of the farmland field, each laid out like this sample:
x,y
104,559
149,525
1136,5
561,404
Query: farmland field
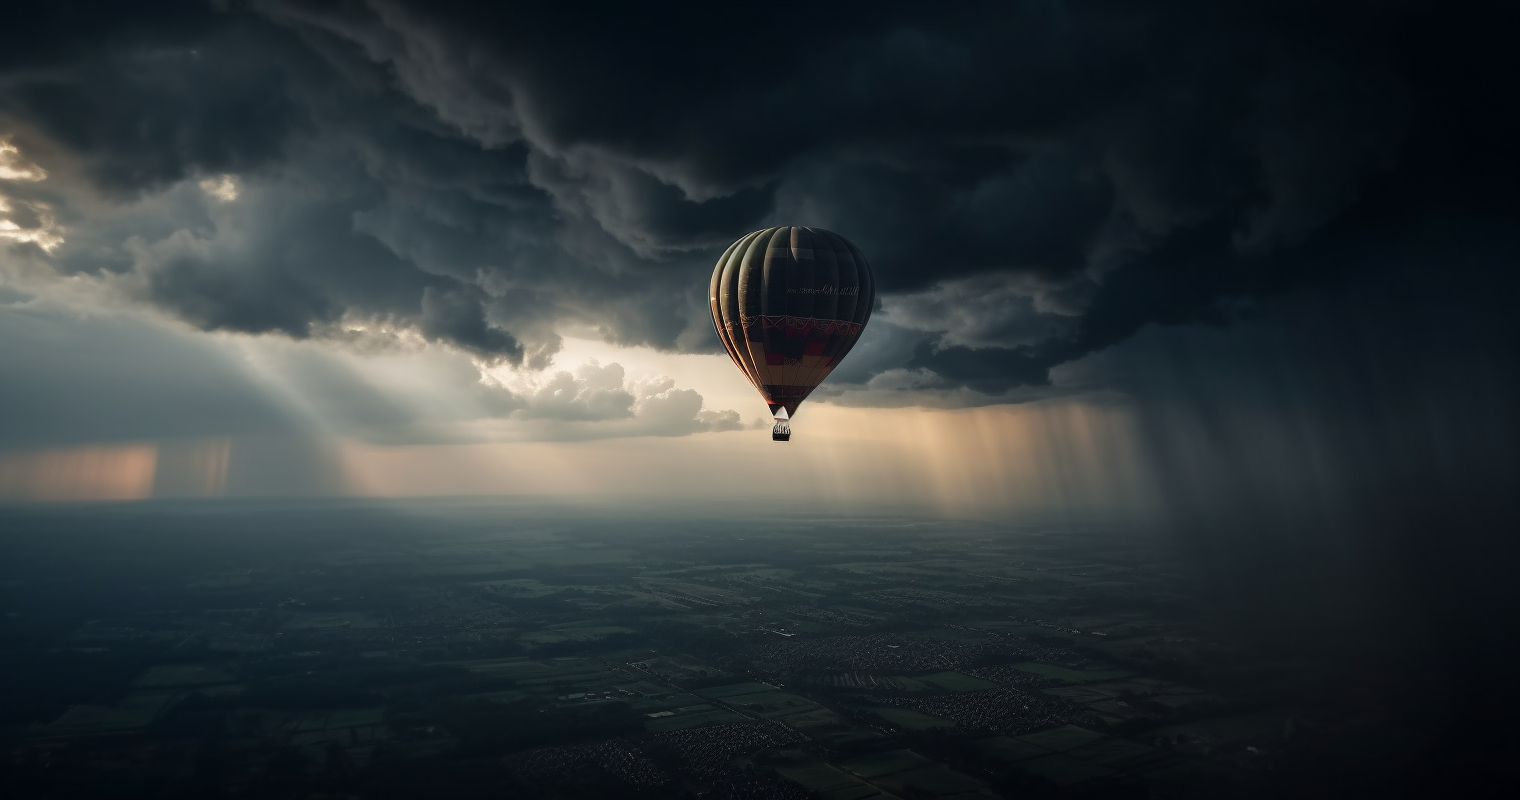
x,y
1064,738
736,689
1008,749
817,776
183,675
935,778
885,763
1063,770
911,720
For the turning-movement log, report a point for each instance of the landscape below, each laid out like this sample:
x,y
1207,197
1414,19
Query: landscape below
x,y
522,651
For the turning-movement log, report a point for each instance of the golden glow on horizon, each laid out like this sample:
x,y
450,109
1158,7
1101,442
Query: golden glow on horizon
x,y
981,462
973,462
80,474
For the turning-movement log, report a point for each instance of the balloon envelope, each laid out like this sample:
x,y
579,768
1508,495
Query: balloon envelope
x,y
789,303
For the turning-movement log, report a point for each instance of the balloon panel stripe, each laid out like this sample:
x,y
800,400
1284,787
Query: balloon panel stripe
x,y
788,304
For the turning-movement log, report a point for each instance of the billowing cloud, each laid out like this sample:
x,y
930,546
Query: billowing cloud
x,y
597,401
1033,183
593,392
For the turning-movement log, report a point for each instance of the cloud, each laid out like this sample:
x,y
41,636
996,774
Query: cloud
x,y
458,318
24,220
597,401
1032,183
592,393
673,412
142,112
982,311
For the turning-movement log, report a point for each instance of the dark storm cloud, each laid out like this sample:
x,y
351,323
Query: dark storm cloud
x,y
490,176
146,96
458,318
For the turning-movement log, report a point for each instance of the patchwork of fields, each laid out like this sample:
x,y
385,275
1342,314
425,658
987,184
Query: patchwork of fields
x,y
854,667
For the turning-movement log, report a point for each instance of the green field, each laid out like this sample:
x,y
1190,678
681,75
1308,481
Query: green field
x,y
644,688
679,667
310,721
664,702
817,776
1078,694
182,675
816,720
956,682
859,791
736,689
1119,753
1008,749
936,778
1063,770
771,704
1063,738
910,720
546,675
351,717
1142,687
360,756
1177,701
1072,675
878,764
305,738
134,711
844,737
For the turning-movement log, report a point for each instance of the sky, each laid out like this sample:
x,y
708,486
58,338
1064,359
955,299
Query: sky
x,y
1175,261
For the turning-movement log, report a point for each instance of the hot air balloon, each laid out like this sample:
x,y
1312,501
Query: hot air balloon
x,y
789,303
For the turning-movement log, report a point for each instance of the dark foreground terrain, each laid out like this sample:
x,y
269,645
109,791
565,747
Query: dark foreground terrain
x,y
326,651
